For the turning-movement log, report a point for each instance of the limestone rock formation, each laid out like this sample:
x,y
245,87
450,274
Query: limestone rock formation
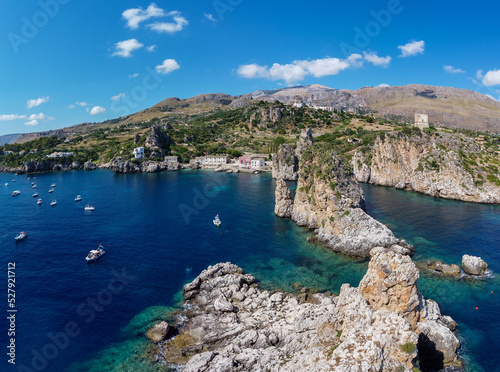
x,y
158,141
234,325
285,164
442,268
473,265
284,202
159,332
89,166
436,165
391,283
329,200
268,114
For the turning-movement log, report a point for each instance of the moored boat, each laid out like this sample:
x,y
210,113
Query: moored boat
x,y
35,194
16,192
89,207
51,190
54,202
53,185
22,235
95,253
39,202
217,221
78,198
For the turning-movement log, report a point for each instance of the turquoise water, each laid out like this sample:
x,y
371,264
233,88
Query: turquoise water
x,y
158,234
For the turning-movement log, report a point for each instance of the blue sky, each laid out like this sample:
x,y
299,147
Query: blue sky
x,y
64,62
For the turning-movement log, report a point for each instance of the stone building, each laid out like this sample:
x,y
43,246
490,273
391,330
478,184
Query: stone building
x,y
422,121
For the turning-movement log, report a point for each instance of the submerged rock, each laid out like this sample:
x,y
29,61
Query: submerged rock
x,y
159,332
443,268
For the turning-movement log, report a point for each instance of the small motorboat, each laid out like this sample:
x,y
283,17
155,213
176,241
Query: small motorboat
x,y
22,235
35,194
217,221
78,198
53,185
89,207
6,184
95,253
16,192
34,186
51,190
13,180
54,202
39,202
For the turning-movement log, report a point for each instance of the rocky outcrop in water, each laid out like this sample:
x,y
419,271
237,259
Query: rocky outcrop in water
x,y
473,265
443,165
120,165
284,202
231,324
329,200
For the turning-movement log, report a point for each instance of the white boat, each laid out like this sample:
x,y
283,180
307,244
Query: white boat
x,y
33,186
217,221
6,184
53,185
39,202
51,190
16,192
54,202
78,198
35,194
95,253
22,235
13,180
89,207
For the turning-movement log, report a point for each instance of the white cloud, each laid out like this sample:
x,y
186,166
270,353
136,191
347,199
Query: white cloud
x,y
71,106
210,17
133,75
170,27
36,102
118,97
151,48
167,66
383,85
453,70
83,104
31,122
298,70
412,48
373,58
40,116
11,117
126,47
492,77
135,16
97,110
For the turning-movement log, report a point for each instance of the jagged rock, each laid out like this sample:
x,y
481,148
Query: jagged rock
x,y
305,140
442,268
329,199
123,166
284,202
285,164
159,332
437,346
157,141
268,114
137,138
276,332
89,166
473,265
76,165
427,164
391,283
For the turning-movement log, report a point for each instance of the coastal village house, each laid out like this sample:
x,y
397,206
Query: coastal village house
x,y
171,159
422,121
258,163
212,160
60,154
139,153
251,162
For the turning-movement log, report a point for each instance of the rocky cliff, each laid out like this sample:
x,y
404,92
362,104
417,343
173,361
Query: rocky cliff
x,y
233,325
158,142
286,160
444,165
329,200
120,165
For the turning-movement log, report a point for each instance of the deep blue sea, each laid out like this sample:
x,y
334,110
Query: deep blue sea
x,y
158,234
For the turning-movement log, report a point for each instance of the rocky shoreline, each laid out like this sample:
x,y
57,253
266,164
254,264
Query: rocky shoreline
x,y
229,323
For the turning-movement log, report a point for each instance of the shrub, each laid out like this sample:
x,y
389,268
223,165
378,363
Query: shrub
x,y
408,347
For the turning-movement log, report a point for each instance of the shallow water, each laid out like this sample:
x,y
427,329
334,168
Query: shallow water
x,y
158,234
